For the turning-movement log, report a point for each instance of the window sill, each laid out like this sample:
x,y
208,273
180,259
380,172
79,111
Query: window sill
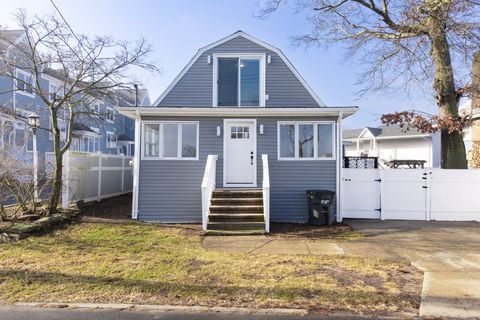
x,y
306,159
169,159
24,93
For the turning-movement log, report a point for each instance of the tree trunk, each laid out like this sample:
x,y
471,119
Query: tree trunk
x,y
57,184
57,179
475,131
453,148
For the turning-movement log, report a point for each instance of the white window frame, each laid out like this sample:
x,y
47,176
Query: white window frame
x,y
110,112
12,142
108,143
315,140
54,88
28,76
262,71
179,142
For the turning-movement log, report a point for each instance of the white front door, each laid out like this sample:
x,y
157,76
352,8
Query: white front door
x,y
240,153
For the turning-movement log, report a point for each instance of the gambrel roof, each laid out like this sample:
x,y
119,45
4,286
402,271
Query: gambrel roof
x,y
254,40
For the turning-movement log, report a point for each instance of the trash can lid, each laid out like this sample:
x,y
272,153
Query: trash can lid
x,y
321,191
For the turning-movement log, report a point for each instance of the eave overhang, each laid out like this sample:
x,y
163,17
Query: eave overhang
x,y
131,112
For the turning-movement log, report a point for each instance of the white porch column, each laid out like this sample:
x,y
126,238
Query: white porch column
x,y
339,153
136,167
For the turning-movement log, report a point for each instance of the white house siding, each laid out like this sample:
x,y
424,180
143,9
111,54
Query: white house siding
x,y
420,148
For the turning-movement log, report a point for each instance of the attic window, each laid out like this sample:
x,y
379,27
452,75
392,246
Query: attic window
x,y
239,80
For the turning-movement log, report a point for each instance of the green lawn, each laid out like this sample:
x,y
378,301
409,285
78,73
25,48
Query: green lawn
x,y
150,264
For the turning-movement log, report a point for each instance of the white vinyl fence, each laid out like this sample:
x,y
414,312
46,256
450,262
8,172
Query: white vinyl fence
x,y
411,194
95,176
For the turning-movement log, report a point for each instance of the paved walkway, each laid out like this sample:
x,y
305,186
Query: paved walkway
x,y
448,253
263,244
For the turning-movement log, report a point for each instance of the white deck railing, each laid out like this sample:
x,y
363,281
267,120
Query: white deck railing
x,y
208,185
266,192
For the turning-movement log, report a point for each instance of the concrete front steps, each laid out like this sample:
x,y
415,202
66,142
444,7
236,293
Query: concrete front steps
x,y
236,212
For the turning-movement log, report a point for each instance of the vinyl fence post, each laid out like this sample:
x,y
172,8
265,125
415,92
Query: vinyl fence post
x,y
99,188
66,180
123,173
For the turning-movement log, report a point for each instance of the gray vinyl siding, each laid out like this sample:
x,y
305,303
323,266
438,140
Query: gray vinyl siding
x,y
194,89
169,190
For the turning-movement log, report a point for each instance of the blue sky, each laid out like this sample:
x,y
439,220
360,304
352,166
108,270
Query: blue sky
x,y
177,28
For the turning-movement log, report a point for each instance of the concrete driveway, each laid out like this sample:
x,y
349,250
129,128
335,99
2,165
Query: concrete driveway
x,y
448,252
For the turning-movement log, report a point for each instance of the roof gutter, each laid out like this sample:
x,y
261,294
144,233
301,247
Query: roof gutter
x,y
427,135
131,112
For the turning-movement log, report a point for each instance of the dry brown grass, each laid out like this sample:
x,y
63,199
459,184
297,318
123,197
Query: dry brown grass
x,y
142,263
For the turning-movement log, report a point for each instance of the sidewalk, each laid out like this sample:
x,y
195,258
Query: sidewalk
x,y
264,244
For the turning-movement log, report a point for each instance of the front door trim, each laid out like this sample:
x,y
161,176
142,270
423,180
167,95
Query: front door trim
x,y
236,185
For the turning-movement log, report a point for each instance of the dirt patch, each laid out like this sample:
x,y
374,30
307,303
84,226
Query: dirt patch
x,y
111,208
337,232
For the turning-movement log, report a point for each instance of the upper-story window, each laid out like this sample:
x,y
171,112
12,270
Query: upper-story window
x,y
55,91
239,80
24,82
110,114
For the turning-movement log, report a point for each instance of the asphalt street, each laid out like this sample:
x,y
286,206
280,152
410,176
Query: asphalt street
x,y
36,313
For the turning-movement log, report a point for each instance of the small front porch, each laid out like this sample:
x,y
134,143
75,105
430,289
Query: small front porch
x,y
235,211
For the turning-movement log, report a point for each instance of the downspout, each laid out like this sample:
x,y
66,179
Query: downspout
x,y
339,168
136,166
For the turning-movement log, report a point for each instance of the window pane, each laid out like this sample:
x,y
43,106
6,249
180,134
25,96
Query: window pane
x,y
305,140
287,141
7,133
325,145
170,140
151,140
19,136
227,82
189,140
250,82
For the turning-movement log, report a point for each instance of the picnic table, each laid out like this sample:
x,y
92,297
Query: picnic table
x,y
412,164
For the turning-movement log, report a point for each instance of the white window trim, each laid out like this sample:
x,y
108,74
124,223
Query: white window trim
x,y
160,139
260,56
16,90
108,133
54,88
315,140
17,124
107,113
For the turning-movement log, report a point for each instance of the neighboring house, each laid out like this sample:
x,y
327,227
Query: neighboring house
x,y
392,143
113,135
239,100
464,109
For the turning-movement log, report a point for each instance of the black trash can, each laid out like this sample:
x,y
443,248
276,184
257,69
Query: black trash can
x,y
320,207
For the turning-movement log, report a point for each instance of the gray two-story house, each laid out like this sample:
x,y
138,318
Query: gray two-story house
x,y
110,132
235,141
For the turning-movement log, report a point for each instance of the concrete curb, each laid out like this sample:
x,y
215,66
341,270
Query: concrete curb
x,y
162,308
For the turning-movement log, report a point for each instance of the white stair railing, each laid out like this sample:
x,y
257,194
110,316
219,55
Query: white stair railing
x,y
266,192
208,185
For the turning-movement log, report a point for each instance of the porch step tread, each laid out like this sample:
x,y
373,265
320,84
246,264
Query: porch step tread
x,y
237,193
247,223
246,206
234,232
236,225
228,201
236,215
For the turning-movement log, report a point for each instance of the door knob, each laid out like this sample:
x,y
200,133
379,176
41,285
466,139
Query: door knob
x,y
251,158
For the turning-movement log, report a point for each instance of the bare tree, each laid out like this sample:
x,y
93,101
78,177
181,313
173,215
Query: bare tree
x,y
403,43
88,67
